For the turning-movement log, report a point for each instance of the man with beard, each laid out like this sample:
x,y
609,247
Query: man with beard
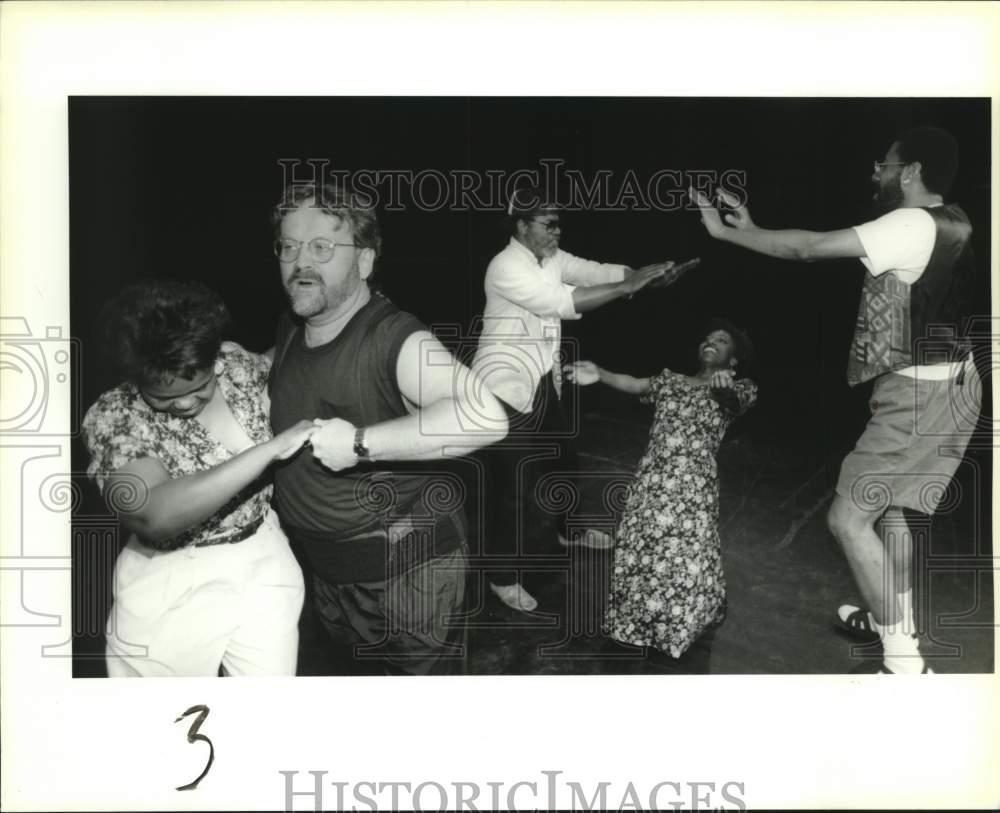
x,y
530,287
385,537
908,338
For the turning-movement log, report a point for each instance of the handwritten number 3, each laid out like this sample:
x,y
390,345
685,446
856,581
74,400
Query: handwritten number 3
x,y
194,736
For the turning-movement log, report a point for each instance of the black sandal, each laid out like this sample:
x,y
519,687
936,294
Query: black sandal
x,y
856,623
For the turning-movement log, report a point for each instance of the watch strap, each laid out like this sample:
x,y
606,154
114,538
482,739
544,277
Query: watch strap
x,y
360,450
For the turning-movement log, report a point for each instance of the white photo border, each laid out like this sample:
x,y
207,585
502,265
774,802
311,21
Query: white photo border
x,y
802,741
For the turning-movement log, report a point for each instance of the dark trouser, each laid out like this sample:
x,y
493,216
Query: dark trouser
x,y
530,483
411,623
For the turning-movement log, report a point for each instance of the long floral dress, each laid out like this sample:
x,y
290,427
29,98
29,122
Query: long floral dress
x,y
667,585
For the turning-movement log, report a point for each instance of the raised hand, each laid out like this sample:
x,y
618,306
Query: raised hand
x,y
582,373
739,218
333,444
709,214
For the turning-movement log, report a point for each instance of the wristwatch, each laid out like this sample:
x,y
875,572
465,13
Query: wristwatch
x,y
360,449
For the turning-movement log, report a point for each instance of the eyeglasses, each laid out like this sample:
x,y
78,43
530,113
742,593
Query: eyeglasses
x,y
880,164
287,250
550,225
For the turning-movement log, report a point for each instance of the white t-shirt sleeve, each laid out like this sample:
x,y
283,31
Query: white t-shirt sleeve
x,y
900,241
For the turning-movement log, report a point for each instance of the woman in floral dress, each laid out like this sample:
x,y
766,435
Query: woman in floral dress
x,y
667,584
180,451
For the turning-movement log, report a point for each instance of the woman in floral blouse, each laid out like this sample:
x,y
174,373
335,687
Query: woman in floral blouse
x,y
667,585
181,452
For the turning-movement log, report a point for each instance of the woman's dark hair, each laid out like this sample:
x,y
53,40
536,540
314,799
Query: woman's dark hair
x,y
742,346
160,329
937,152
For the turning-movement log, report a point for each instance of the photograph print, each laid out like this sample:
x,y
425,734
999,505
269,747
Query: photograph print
x,y
531,386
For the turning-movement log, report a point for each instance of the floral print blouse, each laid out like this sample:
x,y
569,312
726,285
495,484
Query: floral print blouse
x,y
121,427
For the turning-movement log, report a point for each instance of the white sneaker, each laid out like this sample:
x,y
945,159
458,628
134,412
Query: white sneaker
x,y
593,539
515,597
885,670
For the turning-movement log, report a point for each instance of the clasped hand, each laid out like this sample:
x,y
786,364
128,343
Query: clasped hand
x,y
723,381
333,443
582,373
287,443
722,385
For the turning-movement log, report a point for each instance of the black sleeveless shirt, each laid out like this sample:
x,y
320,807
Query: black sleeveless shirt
x,y
352,377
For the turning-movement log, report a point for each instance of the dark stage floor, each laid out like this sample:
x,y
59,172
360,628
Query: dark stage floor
x,y
785,574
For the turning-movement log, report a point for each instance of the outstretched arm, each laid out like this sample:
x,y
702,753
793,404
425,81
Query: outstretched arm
x,y
786,244
452,412
159,507
591,297
583,373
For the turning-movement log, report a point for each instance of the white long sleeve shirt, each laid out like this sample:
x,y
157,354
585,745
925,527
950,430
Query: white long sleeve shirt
x,y
526,301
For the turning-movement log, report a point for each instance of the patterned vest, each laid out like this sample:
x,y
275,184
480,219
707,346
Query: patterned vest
x,y
899,324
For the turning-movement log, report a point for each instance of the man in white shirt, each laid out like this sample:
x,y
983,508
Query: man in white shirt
x,y
531,286
909,339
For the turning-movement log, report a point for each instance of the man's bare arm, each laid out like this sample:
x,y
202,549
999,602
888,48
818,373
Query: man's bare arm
x,y
454,413
786,244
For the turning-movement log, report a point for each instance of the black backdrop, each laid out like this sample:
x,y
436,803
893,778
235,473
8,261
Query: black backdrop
x,y
182,187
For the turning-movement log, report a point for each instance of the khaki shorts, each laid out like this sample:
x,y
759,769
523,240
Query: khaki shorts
x,y
913,443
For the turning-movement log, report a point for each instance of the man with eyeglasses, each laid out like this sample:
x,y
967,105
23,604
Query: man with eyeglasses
x,y
909,338
387,550
531,286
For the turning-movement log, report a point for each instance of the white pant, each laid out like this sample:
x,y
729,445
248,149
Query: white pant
x,y
185,612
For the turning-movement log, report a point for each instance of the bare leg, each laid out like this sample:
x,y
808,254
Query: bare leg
x,y
898,540
866,555
881,564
